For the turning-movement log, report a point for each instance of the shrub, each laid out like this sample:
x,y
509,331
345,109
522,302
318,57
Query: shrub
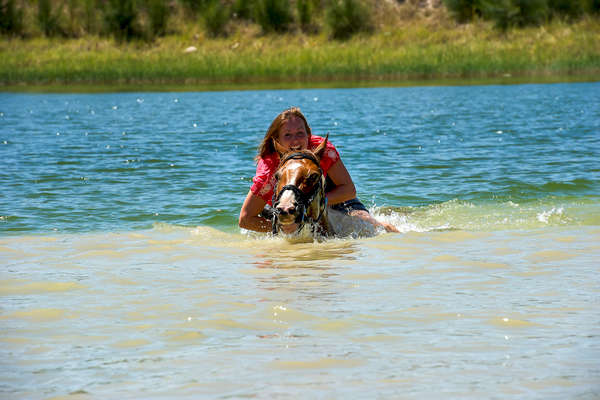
x,y
464,10
11,18
507,13
273,15
120,18
92,16
347,17
305,9
216,16
158,14
568,8
195,5
48,19
243,9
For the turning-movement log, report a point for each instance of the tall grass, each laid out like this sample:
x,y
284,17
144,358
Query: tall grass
x,y
415,52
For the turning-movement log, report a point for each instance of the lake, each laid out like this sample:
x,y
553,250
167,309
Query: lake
x,y
124,274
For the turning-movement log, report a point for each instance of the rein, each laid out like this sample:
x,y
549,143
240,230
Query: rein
x,y
305,200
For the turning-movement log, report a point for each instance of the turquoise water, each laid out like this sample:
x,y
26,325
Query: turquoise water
x,y
484,157
123,273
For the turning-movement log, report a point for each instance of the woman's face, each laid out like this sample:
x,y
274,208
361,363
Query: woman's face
x,y
292,134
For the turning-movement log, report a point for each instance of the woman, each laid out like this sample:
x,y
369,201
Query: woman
x,y
291,131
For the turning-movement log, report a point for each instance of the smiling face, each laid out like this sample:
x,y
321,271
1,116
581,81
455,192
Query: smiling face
x,y
292,134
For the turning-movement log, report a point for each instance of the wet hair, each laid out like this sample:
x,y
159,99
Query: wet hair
x,y
267,147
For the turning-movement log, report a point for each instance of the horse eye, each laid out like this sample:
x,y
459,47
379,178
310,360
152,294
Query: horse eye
x,y
277,176
312,178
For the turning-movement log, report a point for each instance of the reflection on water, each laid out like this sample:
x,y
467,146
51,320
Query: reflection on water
x,y
287,254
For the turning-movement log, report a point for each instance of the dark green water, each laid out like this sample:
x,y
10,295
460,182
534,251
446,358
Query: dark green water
x,y
471,157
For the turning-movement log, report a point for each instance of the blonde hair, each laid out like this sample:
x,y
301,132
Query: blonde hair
x,y
266,147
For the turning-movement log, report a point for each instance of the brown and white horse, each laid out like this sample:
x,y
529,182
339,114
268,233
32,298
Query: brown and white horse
x,y
299,196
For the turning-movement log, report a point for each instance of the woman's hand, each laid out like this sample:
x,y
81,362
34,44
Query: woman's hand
x,y
249,218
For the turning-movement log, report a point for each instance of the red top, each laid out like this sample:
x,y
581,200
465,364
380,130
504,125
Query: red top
x,y
264,180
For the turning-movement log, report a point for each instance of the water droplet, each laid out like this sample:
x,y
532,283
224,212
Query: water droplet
x,y
108,146
316,99
115,107
195,125
176,101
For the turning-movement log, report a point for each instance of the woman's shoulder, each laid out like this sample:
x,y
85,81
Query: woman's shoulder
x,y
331,155
268,163
315,141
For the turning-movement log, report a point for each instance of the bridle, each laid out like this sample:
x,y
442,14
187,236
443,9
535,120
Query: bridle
x,y
304,200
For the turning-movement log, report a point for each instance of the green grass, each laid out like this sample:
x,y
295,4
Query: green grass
x,y
418,51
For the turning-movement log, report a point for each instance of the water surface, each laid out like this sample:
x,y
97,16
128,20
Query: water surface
x,y
123,273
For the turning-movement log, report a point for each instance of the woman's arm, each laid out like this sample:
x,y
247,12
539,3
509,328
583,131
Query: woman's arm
x,y
249,218
344,187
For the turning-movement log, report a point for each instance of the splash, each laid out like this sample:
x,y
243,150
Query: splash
x,y
492,216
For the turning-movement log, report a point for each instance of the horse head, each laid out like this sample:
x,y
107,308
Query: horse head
x,y
299,196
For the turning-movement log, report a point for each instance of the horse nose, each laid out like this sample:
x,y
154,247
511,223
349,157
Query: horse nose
x,y
286,209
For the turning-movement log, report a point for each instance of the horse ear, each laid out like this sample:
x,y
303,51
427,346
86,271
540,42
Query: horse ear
x,y
279,148
320,150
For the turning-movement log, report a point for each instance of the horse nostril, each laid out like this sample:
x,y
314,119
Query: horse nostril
x,y
286,210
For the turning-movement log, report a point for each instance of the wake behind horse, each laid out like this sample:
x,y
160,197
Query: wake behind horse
x,y
299,196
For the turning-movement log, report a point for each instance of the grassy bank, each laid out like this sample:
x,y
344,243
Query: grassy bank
x,y
419,50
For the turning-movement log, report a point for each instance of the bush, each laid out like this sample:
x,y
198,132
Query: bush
x,y
195,5
347,17
92,17
464,10
120,18
11,18
306,11
158,14
273,15
49,20
507,13
242,9
216,16
571,9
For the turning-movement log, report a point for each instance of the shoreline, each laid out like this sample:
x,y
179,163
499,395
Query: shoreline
x,y
127,87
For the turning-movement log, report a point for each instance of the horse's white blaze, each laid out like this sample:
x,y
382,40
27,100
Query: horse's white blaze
x,y
287,200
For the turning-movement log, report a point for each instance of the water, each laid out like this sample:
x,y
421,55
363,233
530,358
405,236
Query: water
x,y
124,273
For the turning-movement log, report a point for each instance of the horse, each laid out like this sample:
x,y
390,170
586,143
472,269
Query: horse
x,y
299,195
